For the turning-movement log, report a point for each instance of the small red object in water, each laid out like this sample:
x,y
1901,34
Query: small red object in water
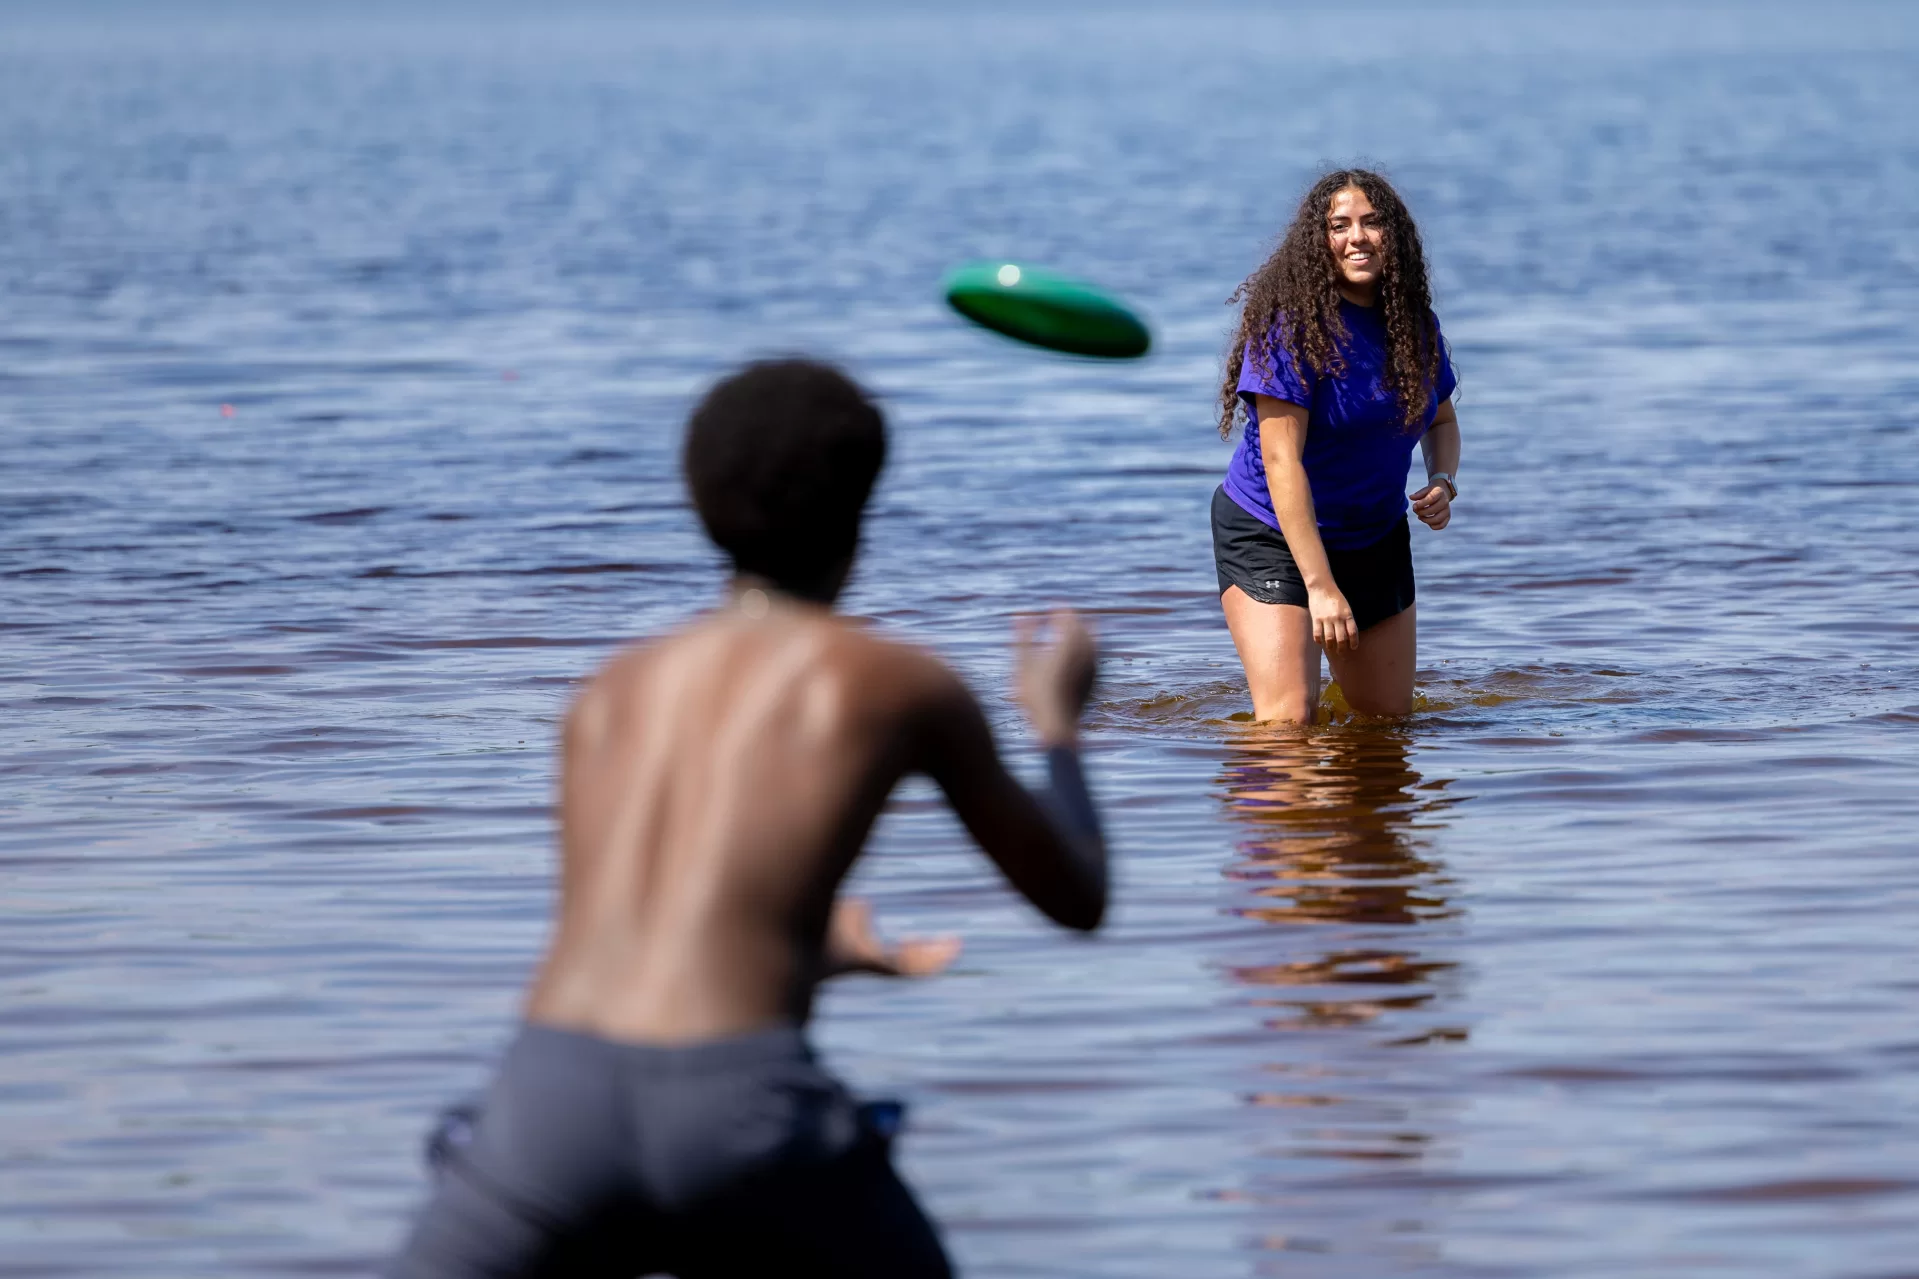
x,y
226,410
509,375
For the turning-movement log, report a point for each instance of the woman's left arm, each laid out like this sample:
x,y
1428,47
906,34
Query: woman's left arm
x,y
1433,503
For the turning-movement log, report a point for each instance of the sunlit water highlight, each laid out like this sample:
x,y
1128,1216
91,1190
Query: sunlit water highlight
x,y
1604,964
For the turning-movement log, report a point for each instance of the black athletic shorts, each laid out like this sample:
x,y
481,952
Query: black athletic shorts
x,y
728,1159
1377,580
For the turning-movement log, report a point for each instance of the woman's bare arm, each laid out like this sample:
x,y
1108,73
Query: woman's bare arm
x,y
1282,443
1440,447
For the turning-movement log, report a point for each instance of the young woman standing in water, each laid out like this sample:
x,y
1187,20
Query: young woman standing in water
x,y
1339,368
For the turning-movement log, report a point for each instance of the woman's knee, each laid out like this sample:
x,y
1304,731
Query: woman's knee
x,y
1292,706
1378,679
1383,703
1387,694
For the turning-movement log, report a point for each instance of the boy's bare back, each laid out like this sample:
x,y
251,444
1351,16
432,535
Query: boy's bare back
x,y
718,783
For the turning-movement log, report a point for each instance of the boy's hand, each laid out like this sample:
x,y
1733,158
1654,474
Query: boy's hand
x,y
1054,682
853,947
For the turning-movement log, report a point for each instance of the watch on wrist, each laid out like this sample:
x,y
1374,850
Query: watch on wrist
x,y
1440,477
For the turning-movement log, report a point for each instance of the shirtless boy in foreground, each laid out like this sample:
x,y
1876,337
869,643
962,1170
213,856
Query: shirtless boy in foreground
x,y
661,1110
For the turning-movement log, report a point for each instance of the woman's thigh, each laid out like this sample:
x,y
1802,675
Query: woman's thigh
x,y
1377,678
1275,643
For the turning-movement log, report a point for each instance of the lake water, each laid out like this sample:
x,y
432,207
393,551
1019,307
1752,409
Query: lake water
x,y
1604,964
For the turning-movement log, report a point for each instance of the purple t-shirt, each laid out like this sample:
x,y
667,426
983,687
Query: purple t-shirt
x,y
1358,449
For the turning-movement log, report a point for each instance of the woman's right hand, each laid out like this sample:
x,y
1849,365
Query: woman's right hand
x,y
1333,626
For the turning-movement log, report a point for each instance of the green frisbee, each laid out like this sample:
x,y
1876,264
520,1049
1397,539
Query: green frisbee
x,y
1046,310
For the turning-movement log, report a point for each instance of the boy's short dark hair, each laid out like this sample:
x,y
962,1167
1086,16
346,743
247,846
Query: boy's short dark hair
x,y
781,457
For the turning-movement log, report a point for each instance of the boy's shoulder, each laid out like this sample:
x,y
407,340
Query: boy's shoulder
x,y
872,665
888,667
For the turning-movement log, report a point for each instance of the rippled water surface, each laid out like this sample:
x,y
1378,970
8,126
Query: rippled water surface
x,y
341,371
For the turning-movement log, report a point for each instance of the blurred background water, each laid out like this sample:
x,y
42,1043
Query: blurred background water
x,y
342,363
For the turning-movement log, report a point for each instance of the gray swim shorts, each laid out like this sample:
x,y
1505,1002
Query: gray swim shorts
x,y
732,1157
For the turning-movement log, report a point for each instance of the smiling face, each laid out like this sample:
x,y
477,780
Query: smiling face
x,y
1356,235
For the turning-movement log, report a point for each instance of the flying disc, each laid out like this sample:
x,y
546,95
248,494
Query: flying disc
x,y
1045,309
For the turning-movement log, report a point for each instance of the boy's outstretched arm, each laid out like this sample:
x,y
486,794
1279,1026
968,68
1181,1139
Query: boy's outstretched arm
x,y
1048,846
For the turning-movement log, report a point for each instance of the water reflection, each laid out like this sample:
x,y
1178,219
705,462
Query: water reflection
x,y
1334,852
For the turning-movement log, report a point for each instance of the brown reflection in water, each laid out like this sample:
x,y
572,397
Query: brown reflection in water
x,y
1332,851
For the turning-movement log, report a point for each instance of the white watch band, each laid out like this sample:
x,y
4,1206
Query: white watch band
x,y
1440,477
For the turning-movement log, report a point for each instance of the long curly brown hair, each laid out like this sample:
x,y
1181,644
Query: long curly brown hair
x,y
1294,296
